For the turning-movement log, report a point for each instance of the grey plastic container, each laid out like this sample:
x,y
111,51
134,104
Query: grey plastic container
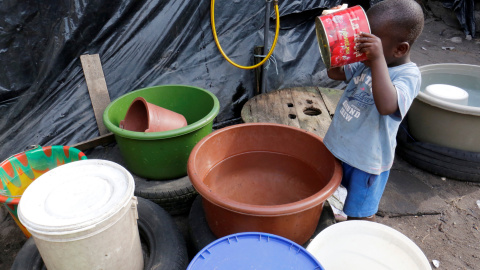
x,y
444,123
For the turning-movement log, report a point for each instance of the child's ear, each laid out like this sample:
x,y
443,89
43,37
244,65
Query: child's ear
x,y
402,49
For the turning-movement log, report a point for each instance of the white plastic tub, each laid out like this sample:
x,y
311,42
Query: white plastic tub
x,y
83,215
365,245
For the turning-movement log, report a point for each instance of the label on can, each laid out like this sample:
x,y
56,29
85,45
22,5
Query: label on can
x,y
336,33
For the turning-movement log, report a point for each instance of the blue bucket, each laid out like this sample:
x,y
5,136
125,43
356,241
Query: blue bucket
x,y
253,250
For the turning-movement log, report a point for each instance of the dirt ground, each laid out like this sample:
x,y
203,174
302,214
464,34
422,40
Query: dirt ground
x,y
450,234
447,227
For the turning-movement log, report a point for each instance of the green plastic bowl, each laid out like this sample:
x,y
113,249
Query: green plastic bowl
x,y
163,155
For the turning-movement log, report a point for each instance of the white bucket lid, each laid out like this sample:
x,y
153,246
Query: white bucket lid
x,y
448,93
75,197
366,245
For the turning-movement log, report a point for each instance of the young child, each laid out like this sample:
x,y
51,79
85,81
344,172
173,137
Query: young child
x,y
379,93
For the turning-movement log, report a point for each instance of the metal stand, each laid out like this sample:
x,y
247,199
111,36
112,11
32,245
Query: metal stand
x,y
266,48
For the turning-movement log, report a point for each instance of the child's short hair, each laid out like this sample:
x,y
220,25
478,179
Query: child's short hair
x,y
404,16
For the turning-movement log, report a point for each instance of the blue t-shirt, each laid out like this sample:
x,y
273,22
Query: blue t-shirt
x,y
359,135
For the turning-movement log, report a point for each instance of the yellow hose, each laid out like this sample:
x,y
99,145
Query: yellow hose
x,y
277,28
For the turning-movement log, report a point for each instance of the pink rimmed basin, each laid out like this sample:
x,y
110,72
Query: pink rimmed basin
x,y
263,177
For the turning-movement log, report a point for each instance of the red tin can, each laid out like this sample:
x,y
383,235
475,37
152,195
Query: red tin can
x,y
336,33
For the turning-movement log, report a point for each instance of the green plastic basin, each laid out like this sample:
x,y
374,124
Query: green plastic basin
x,y
163,155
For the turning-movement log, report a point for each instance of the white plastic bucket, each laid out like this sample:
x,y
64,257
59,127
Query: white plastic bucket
x,y
83,215
365,245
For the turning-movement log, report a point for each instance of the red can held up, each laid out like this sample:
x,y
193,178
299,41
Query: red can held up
x,y
336,33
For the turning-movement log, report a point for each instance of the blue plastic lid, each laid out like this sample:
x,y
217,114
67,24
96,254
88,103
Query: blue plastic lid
x,y
254,250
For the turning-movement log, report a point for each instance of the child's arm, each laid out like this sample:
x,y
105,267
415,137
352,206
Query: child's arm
x,y
336,73
384,93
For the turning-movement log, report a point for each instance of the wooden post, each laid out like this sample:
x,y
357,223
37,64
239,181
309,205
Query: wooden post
x,y
97,87
258,50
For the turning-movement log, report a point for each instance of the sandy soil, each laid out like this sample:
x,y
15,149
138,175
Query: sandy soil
x,y
450,235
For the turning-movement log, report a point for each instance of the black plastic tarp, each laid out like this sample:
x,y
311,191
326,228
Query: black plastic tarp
x,y
43,94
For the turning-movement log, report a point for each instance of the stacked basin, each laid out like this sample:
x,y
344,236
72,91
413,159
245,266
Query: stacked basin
x,y
263,177
445,123
163,155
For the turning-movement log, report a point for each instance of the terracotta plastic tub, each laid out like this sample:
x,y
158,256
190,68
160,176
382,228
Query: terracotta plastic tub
x,y
163,155
263,177
437,121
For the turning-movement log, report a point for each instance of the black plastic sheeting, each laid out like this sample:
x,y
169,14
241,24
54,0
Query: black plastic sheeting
x,y
43,94
465,12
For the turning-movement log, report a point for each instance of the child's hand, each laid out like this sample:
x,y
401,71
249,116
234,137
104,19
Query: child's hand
x,y
371,46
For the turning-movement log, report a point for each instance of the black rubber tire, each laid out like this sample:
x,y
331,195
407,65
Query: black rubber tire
x,y
163,245
435,167
202,236
28,258
200,233
175,196
443,161
464,156
460,157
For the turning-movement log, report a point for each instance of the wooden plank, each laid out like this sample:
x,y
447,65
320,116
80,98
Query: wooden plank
x,y
253,111
330,98
263,109
276,108
256,115
301,107
276,104
288,114
97,87
300,97
259,109
101,140
311,111
271,108
247,113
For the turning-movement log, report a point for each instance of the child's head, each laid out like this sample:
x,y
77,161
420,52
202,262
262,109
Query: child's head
x,y
398,23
